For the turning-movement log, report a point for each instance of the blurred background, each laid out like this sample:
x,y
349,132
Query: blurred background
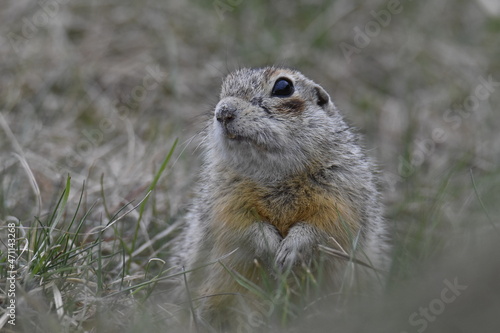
x,y
100,90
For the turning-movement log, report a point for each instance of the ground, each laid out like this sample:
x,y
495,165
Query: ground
x,y
94,96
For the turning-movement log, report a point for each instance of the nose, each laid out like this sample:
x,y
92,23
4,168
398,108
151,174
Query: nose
x,y
225,113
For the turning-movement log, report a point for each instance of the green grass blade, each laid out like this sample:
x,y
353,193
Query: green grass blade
x,y
62,206
483,207
151,187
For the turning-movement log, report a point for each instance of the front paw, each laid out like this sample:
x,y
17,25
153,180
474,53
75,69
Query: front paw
x,y
297,247
265,240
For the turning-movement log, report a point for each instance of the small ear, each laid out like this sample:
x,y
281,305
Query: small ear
x,y
322,97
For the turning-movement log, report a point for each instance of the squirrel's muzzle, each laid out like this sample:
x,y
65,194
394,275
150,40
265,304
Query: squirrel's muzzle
x,y
225,113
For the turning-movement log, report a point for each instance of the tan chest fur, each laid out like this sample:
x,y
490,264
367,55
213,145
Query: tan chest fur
x,y
295,200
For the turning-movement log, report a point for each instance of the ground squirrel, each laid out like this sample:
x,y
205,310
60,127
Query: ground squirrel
x,y
283,177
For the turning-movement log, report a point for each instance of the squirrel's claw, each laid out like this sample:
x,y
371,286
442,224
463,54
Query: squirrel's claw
x,y
265,240
296,248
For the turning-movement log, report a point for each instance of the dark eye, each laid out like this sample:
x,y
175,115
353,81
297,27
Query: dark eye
x,y
282,88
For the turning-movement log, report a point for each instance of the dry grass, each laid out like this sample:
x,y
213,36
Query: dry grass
x,y
100,91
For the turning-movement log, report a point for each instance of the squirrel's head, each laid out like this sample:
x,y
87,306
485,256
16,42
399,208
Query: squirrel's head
x,y
272,122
